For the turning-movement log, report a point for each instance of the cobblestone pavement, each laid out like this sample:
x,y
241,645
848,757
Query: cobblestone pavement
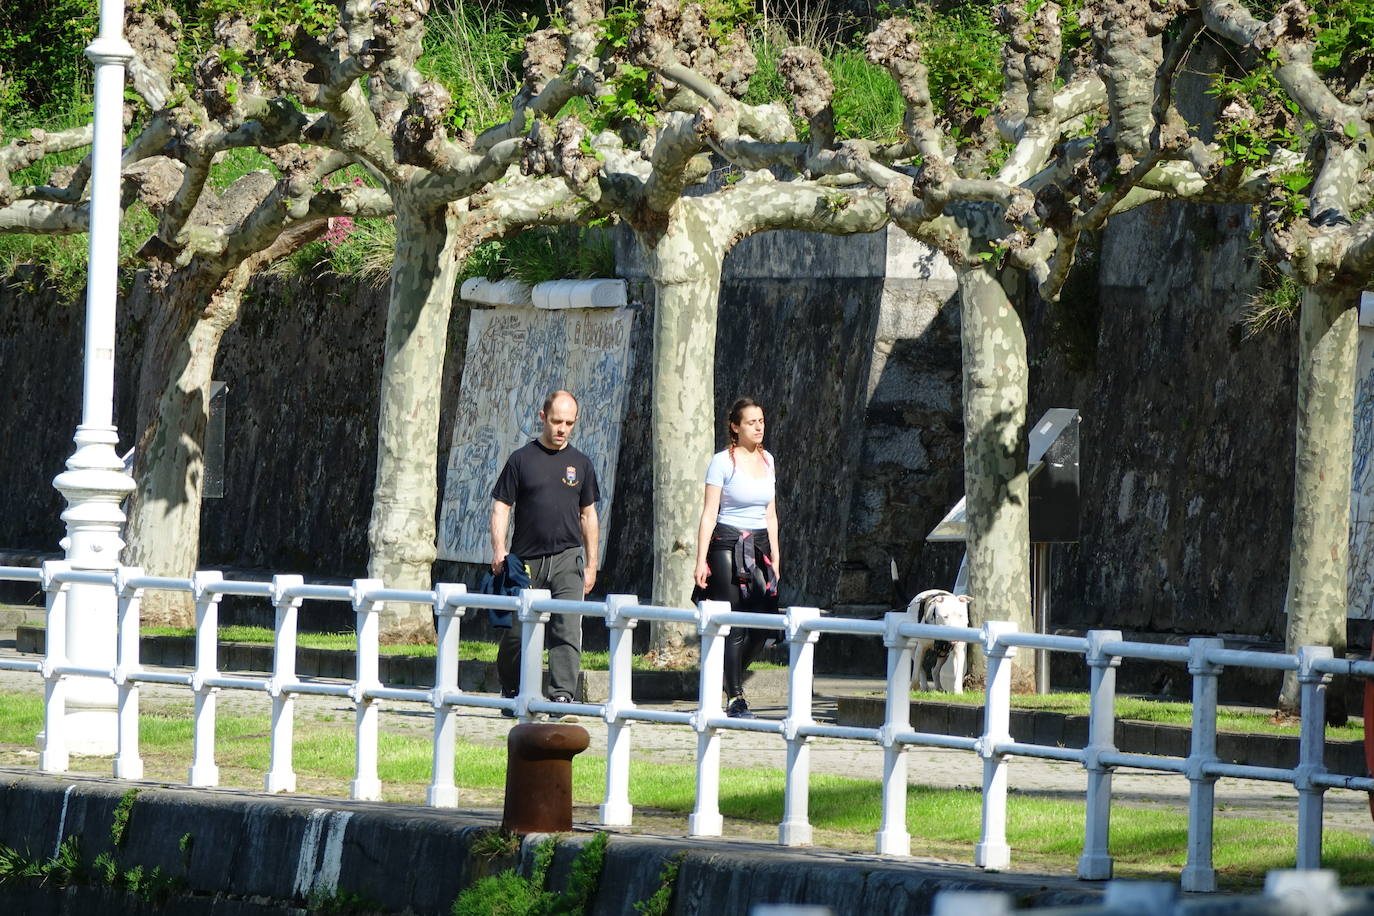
x,y
677,745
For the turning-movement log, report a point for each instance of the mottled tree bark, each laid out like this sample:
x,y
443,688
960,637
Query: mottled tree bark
x,y
1318,558
186,323
996,487
685,266
402,531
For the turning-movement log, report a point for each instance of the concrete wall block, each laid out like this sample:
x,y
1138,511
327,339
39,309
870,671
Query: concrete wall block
x,y
30,639
1075,731
934,718
1138,736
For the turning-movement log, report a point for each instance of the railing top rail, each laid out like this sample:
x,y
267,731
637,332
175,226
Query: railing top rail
x,y
1348,666
935,631
751,620
843,625
1045,641
1147,651
21,573
1251,658
161,583
566,606
246,589
321,592
83,577
659,612
407,595
487,602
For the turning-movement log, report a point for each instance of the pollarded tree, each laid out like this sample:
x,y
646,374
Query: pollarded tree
x,y
688,73
1292,136
975,199
1296,136
206,245
452,191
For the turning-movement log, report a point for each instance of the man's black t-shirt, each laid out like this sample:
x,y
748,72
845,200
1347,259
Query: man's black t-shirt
x,y
548,489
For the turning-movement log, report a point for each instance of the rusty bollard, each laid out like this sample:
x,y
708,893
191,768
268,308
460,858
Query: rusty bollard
x,y
539,776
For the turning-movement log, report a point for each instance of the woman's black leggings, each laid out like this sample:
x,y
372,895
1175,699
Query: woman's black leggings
x,y
742,645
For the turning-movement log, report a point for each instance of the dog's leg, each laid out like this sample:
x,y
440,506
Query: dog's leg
x,y
939,672
957,655
922,646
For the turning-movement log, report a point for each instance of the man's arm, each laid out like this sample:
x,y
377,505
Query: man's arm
x,y
591,542
500,522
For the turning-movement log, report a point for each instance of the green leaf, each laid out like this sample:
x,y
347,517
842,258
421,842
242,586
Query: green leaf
x,y
1352,130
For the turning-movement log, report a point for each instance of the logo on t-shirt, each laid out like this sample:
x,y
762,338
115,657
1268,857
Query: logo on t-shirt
x,y
570,476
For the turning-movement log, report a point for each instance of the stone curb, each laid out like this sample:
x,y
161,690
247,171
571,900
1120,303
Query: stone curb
x,y
417,671
240,853
1058,730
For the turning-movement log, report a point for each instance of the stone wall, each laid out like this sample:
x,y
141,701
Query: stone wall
x,y
1187,421
1187,431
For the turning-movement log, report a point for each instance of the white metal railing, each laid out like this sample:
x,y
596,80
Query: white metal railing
x,y
1102,651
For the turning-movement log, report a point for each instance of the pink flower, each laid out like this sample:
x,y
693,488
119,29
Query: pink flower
x,y
339,228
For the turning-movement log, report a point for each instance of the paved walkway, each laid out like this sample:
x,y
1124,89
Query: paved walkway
x,y
928,766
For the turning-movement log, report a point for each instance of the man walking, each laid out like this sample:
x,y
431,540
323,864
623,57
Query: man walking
x,y
552,488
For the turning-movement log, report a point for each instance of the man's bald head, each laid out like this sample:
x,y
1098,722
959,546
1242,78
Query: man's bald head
x,y
558,416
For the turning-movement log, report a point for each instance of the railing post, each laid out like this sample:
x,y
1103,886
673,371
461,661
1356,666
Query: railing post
x,y
280,775
1198,874
447,598
795,829
616,810
992,850
128,764
366,786
893,837
705,819
532,626
203,770
1096,862
1311,755
52,756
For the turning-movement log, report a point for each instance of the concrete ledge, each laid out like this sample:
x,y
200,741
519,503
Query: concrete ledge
x,y
242,854
1058,730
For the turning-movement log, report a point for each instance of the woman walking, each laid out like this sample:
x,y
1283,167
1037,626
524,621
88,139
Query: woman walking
x,y
737,540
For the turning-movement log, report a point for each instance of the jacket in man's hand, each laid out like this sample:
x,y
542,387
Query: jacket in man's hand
x,y
512,577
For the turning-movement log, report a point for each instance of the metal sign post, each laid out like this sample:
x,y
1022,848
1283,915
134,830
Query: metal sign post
x,y
1053,468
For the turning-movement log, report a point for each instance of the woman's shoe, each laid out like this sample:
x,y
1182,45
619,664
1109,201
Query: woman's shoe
x,y
738,709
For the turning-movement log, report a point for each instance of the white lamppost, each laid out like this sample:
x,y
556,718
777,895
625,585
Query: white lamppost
x,y
95,483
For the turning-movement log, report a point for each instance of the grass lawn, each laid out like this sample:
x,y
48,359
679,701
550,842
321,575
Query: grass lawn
x,y
1045,835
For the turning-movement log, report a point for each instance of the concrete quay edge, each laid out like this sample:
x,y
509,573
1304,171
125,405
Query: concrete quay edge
x,y
245,853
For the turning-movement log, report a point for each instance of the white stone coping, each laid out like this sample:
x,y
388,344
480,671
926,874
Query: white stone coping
x,y
556,294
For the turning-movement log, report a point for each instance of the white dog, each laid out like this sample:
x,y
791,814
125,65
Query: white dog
x,y
937,606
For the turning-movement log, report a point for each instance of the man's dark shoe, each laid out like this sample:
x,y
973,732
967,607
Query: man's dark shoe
x,y
508,713
567,716
738,709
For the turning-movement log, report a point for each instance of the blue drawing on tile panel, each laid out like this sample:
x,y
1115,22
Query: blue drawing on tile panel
x,y
514,358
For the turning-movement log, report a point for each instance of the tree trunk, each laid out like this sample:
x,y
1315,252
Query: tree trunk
x,y
995,482
685,265
1320,546
402,531
163,531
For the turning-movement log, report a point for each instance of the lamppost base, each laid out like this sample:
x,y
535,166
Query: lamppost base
x,y
94,485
